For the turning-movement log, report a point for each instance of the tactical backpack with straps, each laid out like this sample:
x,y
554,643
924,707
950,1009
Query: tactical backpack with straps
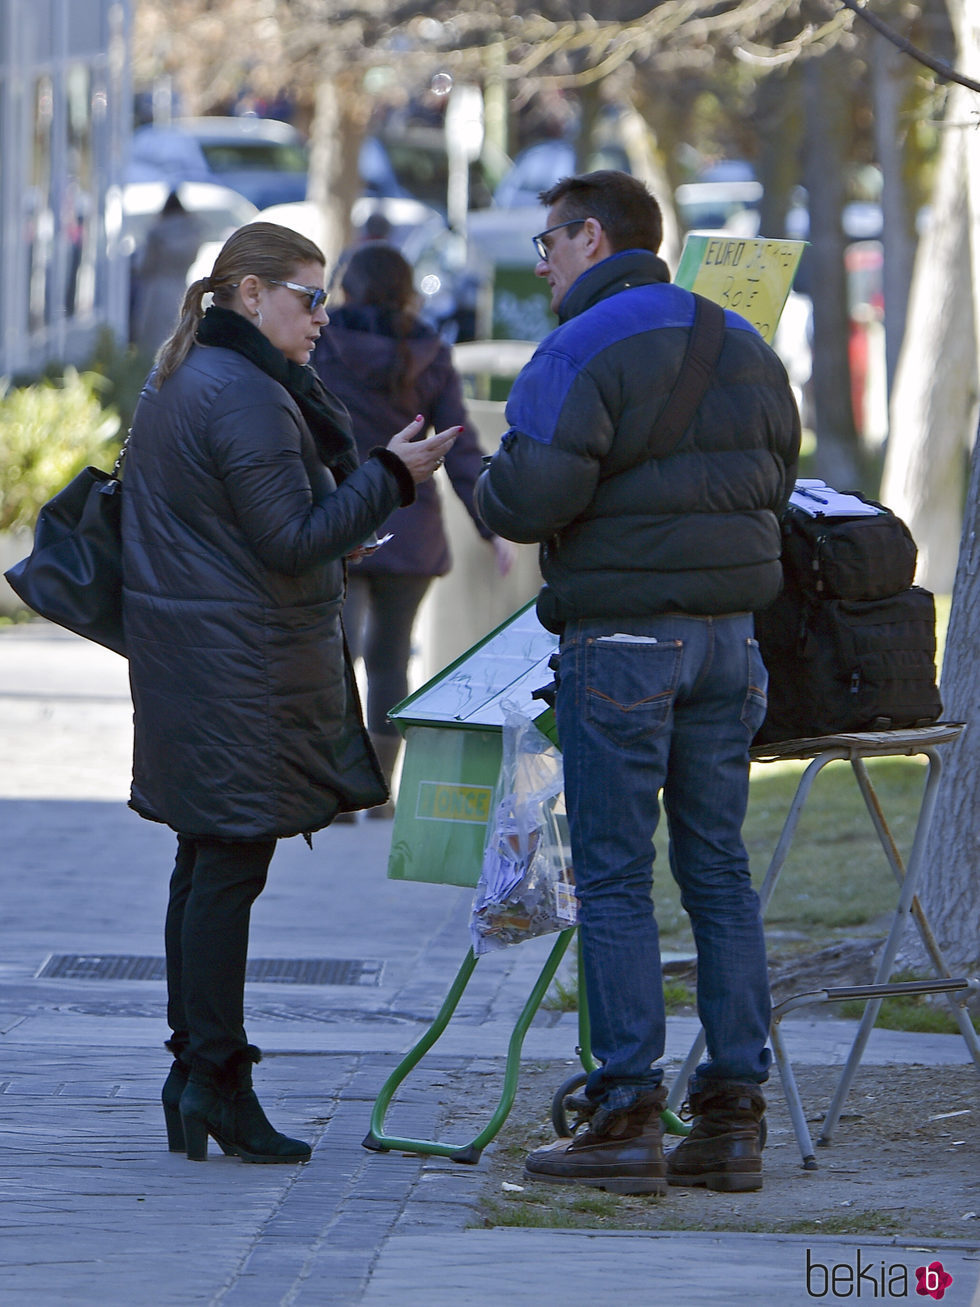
x,y
850,643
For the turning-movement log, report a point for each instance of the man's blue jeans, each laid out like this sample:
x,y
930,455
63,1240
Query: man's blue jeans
x,y
667,702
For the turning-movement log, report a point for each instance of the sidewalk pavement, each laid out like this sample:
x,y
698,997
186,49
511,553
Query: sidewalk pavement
x,y
96,1211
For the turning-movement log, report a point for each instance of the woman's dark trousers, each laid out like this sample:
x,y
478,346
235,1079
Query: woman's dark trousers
x,y
379,616
213,887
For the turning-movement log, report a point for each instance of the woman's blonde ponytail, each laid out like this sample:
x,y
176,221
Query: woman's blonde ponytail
x,y
176,347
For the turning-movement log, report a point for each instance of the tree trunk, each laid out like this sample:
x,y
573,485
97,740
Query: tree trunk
x,y
950,890
638,140
335,139
890,75
933,403
779,115
827,116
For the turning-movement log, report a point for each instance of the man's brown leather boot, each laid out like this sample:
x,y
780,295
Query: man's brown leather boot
x,y
621,1151
723,1150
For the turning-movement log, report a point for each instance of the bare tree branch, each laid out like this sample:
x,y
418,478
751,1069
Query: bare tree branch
x,y
938,66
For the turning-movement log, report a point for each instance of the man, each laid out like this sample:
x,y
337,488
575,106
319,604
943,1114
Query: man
x,y
653,567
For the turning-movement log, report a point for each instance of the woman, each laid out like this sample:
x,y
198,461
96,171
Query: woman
x,y
386,364
243,496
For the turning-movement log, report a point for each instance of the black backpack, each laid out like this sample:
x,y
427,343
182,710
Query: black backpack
x,y
850,644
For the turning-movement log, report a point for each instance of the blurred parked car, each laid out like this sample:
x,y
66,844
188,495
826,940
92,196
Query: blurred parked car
x,y
728,195
411,163
538,167
733,205
262,159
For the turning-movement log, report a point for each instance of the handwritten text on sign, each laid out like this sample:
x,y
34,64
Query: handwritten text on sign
x,y
752,277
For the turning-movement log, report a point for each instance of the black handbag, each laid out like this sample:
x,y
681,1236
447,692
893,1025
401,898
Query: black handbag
x,y
73,575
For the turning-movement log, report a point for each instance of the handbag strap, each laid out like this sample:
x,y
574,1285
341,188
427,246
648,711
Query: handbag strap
x,y
121,455
703,348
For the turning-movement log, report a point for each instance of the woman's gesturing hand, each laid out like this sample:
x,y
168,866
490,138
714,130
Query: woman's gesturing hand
x,y
422,457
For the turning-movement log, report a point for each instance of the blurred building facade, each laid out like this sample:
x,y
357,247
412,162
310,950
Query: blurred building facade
x,y
65,120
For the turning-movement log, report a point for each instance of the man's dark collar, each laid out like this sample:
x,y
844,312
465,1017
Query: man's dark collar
x,y
618,272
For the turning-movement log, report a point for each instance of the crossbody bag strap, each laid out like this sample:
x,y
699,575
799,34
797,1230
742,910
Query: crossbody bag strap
x,y
703,348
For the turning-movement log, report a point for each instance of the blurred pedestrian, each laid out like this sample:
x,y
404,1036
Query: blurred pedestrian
x,y
376,227
243,498
160,274
386,364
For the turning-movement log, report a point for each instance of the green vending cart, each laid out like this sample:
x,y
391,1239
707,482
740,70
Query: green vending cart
x,y
453,731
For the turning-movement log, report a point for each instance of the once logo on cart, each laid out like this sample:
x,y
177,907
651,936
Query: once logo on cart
x,y
442,801
873,1279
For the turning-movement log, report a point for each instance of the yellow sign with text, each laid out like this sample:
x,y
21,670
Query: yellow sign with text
x,y
751,277
442,801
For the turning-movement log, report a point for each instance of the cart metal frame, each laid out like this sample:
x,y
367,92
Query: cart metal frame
x,y
378,1141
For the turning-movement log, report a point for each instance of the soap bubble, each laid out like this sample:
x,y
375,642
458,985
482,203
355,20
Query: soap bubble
x,y
441,84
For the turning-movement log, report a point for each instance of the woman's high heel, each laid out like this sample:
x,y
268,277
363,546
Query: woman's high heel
x,y
195,1132
173,1087
220,1102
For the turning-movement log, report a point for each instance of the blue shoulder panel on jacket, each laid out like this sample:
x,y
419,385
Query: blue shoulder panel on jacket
x,y
539,392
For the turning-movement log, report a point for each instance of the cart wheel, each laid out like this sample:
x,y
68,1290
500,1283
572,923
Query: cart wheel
x,y
559,1111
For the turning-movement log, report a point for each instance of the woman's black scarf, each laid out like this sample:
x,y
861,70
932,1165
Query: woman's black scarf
x,y
327,418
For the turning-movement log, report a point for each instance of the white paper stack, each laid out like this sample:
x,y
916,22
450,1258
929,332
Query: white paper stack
x,y
818,500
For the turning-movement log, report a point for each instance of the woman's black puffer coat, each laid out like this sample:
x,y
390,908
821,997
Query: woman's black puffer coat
x,y
247,724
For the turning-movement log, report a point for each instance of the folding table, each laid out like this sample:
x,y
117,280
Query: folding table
x,y
856,748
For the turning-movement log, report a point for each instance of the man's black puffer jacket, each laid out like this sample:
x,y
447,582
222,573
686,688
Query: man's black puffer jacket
x,y
623,532
246,720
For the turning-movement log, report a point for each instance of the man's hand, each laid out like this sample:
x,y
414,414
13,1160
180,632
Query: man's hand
x,y
505,553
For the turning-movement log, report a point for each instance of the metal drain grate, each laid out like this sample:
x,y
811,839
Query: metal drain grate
x,y
266,971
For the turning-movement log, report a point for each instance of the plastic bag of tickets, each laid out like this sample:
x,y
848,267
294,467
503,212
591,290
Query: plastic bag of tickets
x,y
526,887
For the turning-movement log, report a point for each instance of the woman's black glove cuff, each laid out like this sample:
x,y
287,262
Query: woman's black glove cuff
x,y
397,468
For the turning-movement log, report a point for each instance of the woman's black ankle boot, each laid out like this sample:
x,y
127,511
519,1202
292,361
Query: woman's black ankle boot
x,y
173,1087
220,1102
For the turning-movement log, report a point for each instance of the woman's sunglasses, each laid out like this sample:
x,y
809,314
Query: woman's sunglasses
x,y
316,294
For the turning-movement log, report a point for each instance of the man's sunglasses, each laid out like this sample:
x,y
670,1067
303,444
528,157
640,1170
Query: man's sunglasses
x,y
539,245
316,294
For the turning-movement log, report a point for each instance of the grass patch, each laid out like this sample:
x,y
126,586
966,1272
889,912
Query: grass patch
x,y
869,1221
906,1014
563,994
678,997
594,1203
916,1012
527,1215
557,1207
836,877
